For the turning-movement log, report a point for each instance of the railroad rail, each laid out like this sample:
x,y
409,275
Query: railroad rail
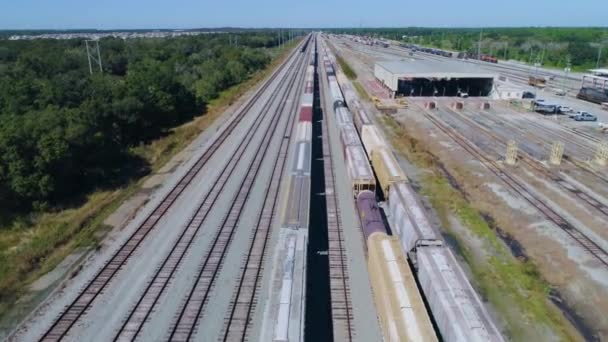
x,y
526,158
589,245
341,305
238,321
191,310
102,278
163,275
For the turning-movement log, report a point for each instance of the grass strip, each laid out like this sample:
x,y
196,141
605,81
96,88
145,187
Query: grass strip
x,y
514,288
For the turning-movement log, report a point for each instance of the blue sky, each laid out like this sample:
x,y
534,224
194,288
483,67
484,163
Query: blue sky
x,y
110,14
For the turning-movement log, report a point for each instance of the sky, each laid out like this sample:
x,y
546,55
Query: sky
x,y
132,14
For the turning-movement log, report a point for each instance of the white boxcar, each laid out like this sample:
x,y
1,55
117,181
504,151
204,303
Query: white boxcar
x,y
334,89
456,307
301,159
372,139
359,170
343,117
408,218
303,131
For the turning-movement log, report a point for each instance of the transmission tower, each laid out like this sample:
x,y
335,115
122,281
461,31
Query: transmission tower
x,y
93,54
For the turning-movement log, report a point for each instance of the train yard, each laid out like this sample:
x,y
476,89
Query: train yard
x,y
551,212
299,219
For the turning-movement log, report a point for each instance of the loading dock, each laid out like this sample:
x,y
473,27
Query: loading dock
x,y
417,77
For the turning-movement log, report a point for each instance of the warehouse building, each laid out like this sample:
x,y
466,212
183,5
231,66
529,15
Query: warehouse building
x,y
417,77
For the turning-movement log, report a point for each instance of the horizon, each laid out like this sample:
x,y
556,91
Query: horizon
x,y
299,28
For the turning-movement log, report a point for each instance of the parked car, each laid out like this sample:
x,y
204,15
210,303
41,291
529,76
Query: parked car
x,y
585,116
528,95
573,114
564,110
560,92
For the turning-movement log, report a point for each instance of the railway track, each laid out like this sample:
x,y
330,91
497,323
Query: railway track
x,y
341,305
238,321
534,164
190,312
585,242
102,278
157,286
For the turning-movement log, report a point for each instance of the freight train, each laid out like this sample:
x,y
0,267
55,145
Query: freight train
x,y
457,310
295,216
359,171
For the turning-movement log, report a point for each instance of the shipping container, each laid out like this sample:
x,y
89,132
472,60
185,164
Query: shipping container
x,y
304,131
387,169
401,310
306,100
298,201
457,309
369,214
372,139
359,170
408,218
301,159
305,114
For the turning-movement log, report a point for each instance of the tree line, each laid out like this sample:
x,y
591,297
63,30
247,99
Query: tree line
x,y
64,132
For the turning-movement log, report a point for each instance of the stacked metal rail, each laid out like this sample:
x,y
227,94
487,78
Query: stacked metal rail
x,y
456,307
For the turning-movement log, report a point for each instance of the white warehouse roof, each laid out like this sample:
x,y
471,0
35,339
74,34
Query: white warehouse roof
x,y
419,68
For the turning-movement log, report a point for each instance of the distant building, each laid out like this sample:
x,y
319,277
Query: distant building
x,y
417,77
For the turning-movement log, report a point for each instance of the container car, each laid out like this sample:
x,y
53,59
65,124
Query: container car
x,y
306,99
369,214
295,215
303,131
301,159
387,169
305,114
400,307
359,171
408,218
457,309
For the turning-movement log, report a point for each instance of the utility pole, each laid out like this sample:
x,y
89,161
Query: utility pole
x,y
91,54
479,44
506,48
599,55
566,71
